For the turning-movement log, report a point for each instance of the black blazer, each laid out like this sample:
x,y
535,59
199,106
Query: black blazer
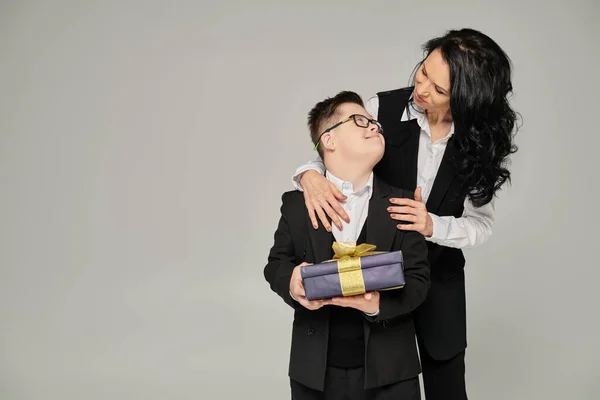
x,y
390,352
441,319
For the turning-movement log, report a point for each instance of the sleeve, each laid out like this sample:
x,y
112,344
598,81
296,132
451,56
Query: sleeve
x,y
472,229
281,260
316,164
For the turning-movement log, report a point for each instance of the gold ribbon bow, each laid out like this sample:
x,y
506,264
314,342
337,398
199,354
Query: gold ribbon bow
x,y
350,249
348,256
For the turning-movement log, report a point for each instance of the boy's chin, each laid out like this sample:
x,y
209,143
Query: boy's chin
x,y
368,156
372,157
375,153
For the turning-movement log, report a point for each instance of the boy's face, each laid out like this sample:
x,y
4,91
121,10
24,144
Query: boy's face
x,y
353,142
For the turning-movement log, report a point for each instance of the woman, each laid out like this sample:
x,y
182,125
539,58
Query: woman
x,y
448,137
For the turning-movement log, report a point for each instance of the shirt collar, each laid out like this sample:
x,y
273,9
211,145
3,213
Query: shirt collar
x,y
347,188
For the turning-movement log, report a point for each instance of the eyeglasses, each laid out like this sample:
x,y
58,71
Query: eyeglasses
x,y
359,120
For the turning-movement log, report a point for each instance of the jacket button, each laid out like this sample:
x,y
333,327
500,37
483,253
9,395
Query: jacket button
x,y
310,332
384,323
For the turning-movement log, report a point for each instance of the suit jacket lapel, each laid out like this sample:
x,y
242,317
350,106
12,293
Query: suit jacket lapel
x,y
444,177
320,241
381,228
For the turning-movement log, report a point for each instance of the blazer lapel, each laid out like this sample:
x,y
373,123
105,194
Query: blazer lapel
x,y
444,177
320,241
381,228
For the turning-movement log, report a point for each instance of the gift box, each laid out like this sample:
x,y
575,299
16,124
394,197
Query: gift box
x,y
353,270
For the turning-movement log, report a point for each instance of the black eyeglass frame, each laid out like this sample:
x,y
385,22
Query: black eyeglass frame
x,y
354,118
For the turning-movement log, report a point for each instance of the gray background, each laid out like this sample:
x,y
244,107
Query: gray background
x,y
144,147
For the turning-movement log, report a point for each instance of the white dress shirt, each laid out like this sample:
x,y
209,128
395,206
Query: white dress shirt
x,y
473,228
356,206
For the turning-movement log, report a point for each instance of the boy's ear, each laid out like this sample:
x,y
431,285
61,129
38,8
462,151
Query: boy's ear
x,y
328,141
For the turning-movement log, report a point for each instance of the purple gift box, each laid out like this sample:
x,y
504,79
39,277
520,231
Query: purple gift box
x,y
350,276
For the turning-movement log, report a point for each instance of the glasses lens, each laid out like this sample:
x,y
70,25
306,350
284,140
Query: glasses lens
x,y
361,121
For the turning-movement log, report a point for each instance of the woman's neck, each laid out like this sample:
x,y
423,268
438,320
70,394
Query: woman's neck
x,y
439,117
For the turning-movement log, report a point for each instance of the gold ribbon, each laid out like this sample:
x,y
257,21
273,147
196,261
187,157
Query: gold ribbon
x,y
350,249
348,256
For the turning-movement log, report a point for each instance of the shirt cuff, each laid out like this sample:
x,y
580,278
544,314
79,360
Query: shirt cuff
x,y
376,313
440,229
300,171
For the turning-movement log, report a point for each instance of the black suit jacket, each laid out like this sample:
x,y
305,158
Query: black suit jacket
x,y
390,353
441,319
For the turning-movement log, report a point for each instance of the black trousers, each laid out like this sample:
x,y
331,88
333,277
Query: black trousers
x,y
443,379
348,384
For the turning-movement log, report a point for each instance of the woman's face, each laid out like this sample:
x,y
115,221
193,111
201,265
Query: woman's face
x,y
432,84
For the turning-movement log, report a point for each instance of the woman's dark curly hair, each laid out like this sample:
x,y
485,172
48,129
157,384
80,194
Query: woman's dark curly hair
x,y
484,122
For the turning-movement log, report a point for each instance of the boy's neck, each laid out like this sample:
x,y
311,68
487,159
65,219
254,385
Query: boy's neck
x,y
356,173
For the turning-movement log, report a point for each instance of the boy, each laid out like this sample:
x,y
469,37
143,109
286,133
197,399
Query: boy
x,y
359,347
